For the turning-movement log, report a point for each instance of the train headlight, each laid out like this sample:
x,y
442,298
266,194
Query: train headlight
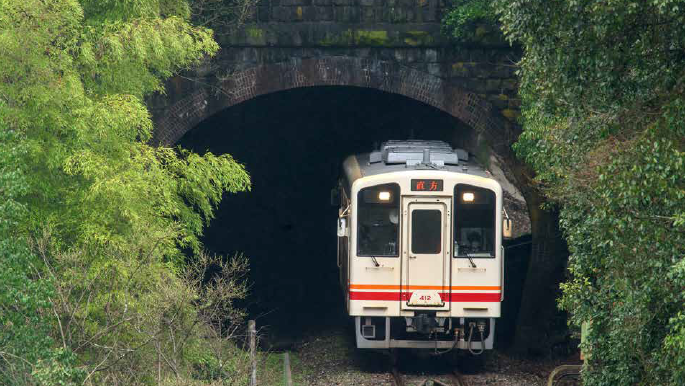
x,y
384,196
468,197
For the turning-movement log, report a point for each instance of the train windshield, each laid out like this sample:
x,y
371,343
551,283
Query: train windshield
x,y
378,210
474,221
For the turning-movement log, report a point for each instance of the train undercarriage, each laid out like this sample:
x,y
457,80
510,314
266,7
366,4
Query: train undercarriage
x,y
425,331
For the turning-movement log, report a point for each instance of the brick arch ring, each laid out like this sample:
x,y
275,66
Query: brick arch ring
x,y
180,117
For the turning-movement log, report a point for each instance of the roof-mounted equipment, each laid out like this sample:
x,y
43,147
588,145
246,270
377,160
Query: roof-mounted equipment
x,y
418,153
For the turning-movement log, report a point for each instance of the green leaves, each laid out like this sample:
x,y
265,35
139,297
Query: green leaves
x,y
598,54
470,20
133,57
75,165
85,125
604,118
25,322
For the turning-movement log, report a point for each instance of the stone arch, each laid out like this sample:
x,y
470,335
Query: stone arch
x,y
196,101
200,103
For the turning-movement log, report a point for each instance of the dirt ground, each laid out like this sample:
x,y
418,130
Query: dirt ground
x,y
331,359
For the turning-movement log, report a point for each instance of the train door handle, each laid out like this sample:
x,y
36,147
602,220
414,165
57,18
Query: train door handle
x,y
412,257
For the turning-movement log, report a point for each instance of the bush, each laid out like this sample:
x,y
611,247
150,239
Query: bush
x,y
131,320
628,241
602,87
94,221
472,21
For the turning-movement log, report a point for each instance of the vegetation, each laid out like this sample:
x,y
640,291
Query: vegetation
x,y
94,288
466,16
602,83
224,17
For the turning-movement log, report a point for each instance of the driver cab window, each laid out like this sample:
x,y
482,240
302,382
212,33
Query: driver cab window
x,y
378,214
474,221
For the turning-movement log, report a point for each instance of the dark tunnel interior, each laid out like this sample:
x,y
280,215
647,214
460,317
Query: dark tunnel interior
x,y
292,144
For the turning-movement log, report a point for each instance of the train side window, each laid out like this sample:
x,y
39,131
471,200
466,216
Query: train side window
x,y
378,209
426,234
474,221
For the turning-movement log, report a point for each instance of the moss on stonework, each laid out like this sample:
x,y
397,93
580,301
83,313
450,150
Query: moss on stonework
x,y
511,114
481,32
377,38
255,36
372,38
346,38
461,68
418,38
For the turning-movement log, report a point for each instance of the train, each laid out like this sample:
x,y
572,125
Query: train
x,y
420,253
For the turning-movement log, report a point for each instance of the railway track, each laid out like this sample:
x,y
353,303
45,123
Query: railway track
x,y
455,379
397,379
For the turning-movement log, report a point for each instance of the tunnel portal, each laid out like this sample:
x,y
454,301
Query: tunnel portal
x,y
292,144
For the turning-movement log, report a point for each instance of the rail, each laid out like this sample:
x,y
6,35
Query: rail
x,y
455,378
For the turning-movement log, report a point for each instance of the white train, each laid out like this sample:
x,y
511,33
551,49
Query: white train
x,y
420,247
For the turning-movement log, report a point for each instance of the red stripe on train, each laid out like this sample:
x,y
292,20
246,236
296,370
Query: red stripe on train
x,y
471,297
453,297
354,295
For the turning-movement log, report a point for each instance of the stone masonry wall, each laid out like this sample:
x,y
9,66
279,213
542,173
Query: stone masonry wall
x,y
398,35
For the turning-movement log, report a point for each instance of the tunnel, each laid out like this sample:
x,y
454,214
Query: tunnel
x,y
293,143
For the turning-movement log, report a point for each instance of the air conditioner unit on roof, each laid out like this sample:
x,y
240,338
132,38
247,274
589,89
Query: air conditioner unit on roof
x,y
412,153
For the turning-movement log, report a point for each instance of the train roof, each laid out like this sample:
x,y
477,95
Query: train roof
x,y
398,156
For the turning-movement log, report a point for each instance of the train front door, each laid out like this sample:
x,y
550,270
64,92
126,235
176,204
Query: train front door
x,y
426,253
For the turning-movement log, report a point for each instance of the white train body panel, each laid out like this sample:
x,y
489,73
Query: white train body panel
x,y
425,271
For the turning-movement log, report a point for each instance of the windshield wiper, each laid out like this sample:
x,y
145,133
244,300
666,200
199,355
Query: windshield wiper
x,y
375,262
473,265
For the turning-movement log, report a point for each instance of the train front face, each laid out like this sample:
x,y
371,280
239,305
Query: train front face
x,y
426,260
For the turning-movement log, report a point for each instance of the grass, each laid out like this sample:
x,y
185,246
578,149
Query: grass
x,y
271,372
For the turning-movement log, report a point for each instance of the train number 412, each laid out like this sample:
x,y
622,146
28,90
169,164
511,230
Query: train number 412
x,y
425,297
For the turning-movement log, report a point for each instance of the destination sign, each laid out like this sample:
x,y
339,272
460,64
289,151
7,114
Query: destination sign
x,y
426,185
